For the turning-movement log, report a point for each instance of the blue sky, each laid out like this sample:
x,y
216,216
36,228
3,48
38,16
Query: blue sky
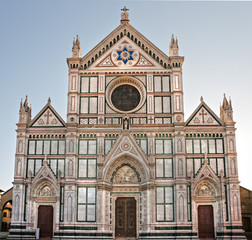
x,y
36,38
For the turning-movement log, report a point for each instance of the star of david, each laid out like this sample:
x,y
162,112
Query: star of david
x,y
125,55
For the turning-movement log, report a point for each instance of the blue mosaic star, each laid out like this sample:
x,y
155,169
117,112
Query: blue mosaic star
x,y
125,55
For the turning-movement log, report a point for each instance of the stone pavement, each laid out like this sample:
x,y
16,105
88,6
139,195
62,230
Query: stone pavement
x,y
4,235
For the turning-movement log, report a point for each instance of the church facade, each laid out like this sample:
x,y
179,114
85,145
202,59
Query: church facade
x,y
125,163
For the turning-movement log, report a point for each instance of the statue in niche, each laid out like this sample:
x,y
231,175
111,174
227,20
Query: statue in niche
x,y
125,175
125,122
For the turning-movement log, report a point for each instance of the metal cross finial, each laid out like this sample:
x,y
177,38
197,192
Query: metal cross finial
x,y
125,9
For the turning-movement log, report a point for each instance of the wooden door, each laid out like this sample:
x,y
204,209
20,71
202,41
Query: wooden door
x,y
45,221
206,221
125,217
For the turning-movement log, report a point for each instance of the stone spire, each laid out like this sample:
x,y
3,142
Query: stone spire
x,y
173,49
24,111
226,110
76,49
125,16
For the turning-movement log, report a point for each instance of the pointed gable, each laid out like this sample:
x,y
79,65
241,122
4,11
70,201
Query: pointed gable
x,y
47,117
125,54
203,116
147,53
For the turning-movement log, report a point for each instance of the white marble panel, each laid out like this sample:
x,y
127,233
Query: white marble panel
x,y
93,105
92,147
220,162
166,105
30,166
91,168
166,85
91,195
169,212
82,195
82,168
83,147
167,146
189,167
219,145
159,168
91,213
168,167
158,104
160,194
169,195
159,146
204,146
54,147
84,105
61,147
93,84
189,146
46,147
85,84
196,144
31,147
211,145
39,147
160,212
157,83
61,166
81,212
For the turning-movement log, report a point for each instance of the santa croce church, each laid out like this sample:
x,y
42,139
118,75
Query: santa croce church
x,y
125,164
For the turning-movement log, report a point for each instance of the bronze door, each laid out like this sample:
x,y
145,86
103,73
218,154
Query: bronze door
x,y
125,217
206,221
45,221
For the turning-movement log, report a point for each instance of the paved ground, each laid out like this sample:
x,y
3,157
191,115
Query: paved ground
x,y
4,235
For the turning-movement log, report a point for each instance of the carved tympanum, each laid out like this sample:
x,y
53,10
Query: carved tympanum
x,y
205,190
125,175
46,191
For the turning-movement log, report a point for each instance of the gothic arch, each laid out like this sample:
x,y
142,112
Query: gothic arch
x,y
140,168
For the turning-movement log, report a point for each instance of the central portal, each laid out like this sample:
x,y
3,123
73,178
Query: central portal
x,y
125,217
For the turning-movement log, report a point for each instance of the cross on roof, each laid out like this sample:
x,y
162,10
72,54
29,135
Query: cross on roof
x,y
125,9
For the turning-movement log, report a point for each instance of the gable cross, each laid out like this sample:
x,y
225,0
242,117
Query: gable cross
x,y
47,115
125,14
203,113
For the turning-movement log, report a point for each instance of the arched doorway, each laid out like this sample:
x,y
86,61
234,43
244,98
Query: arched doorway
x,y
6,216
207,197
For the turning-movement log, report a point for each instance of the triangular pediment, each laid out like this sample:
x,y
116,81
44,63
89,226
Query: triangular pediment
x,y
126,145
45,173
203,116
125,54
145,53
47,117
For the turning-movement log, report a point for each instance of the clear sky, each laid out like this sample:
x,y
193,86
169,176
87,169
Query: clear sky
x,y
36,38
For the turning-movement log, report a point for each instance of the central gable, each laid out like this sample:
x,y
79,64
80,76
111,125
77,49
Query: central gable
x,y
125,54
102,55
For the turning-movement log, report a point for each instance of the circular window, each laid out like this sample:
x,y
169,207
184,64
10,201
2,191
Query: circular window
x,y
125,94
125,97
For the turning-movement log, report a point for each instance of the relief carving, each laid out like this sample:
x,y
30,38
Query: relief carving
x,y
205,190
125,175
